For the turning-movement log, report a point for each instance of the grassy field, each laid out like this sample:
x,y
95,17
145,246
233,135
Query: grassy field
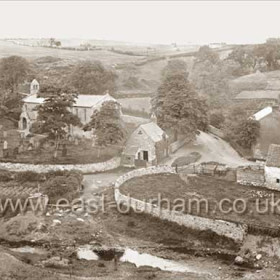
x,y
105,56
213,190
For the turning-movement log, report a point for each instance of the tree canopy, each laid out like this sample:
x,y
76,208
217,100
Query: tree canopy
x,y
93,78
174,67
54,117
13,71
179,108
107,124
206,53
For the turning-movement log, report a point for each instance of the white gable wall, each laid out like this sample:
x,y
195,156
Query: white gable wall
x,y
271,176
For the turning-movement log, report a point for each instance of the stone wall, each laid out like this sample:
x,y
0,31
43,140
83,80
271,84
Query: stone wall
x,y
216,131
251,175
84,168
220,171
231,230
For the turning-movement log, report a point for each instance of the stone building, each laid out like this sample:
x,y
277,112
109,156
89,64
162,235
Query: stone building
x,y
251,175
146,146
28,88
258,99
269,120
84,107
272,167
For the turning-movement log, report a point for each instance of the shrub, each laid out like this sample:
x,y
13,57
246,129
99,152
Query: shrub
x,y
58,187
217,119
28,176
5,176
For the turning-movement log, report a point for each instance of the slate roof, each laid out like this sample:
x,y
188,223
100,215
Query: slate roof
x,y
273,157
153,131
82,100
259,94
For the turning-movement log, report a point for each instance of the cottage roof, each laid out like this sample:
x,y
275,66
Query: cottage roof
x,y
81,101
273,157
153,131
259,94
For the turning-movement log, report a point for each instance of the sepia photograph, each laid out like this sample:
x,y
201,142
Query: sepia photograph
x,y
139,140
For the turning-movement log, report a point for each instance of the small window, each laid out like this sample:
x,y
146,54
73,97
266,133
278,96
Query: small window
x,y
277,181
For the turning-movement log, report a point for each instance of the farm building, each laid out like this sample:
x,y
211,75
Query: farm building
x,y
146,146
259,98
272,167
269,119
84,107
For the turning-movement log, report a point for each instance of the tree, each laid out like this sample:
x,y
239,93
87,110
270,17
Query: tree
x,y
246,132
13,71
206,53
93,78
107,124
55,118
217,119
174,67
179,108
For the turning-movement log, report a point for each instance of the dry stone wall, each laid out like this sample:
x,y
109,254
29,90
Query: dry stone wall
x,y
231,230
42,168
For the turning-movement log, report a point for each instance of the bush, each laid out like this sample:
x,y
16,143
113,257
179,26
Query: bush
x,y
66,187
28,176
5,176
217,119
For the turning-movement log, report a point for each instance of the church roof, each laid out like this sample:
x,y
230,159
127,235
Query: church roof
x,y
82,100
273,157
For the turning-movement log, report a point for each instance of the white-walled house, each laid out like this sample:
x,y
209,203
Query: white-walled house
x,y
272,167
84,107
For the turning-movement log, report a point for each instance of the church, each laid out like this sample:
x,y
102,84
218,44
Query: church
x,y
84,107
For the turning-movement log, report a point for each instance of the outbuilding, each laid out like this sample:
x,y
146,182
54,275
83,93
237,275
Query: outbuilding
x,y
146,146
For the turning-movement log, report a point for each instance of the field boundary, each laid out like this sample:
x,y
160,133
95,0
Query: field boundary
x,y
43,168
234,231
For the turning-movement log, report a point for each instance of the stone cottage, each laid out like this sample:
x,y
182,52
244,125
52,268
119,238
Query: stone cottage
x,y
84,107
146,146
272,167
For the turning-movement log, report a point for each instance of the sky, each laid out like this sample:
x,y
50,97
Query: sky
x,y
141,21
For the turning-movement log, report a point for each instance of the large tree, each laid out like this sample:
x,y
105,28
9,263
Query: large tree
x,y
179,108
55,118
93,78
13,71
205,53
107,124
174,67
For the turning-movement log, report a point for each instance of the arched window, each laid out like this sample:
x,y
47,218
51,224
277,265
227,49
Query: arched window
x,y
24,123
